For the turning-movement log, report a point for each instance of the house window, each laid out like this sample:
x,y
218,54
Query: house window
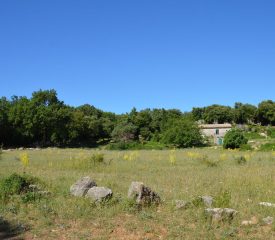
x,y
217,132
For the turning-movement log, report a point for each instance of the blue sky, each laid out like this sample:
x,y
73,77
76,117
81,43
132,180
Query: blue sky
x,y
143,53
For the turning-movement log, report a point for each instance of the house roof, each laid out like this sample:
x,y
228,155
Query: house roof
x,y
210,126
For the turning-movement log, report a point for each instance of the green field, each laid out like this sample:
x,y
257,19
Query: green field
x,y
173,174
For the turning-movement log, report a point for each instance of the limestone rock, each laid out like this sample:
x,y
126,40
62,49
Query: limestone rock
x,y
268,220
267,204
142,194
246,223
81,187
252,221
181,204
99,194
221,214
35,187
207,200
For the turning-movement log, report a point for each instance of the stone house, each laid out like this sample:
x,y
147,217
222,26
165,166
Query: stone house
x,y
216,131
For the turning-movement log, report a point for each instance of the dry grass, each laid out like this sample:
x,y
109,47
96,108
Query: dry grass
x,y
180,174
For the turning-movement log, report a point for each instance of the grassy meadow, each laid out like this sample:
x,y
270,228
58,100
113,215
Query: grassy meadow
x,y
173,174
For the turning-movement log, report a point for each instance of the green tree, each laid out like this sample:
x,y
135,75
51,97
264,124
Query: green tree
x,y
218,113
266,112
244,113
234,139
20,118
198,113
124,132
182,133
5,128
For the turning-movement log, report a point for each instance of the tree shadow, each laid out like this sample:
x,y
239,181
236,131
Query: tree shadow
x,y
10,231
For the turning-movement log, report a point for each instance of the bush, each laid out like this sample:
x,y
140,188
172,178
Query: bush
x,y
209,162
234,139
182,133
241,160
124,132
16,184
97,158
222,199
124,146
136,146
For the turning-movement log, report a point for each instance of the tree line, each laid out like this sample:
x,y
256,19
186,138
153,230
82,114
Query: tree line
x,y
44,120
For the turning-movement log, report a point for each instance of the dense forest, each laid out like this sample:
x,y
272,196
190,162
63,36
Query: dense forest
x,y
44,120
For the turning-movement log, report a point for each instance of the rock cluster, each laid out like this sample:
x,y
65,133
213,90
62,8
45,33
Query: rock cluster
x,y
98,194
142,194
268,220
88,188
82,186
221,214
267,204
207,201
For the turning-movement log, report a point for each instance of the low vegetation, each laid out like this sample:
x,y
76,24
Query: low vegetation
x,y
234,139
16,184
236,179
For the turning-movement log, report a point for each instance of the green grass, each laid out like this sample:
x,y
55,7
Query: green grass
x,y
253,135
195,172
268,147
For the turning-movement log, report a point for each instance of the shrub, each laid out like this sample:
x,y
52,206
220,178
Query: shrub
x,y
130,205
15,184
222,200
136,146
97,158
241,160
209,162
182,133
124,146
234,139
124,132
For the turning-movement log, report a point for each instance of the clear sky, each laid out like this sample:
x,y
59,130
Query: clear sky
x,y
145,53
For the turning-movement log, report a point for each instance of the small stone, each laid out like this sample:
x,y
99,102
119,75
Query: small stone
x,y
246,223
252,221
267,204
221,214
81,187
99,194
268,220
34,187
44,193
142,194
207,200
181,204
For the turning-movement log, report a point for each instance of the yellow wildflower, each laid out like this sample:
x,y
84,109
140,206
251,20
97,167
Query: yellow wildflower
x,y
24,159
223,157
